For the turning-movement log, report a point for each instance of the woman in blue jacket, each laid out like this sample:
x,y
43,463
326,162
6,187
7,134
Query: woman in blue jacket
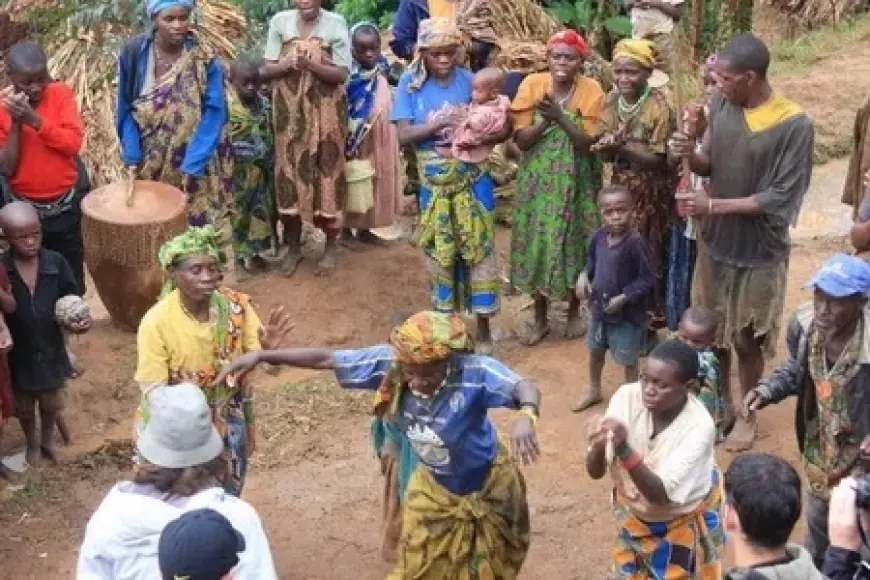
x,y
172,114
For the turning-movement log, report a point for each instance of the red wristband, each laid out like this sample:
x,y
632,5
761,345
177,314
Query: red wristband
x,y
631,461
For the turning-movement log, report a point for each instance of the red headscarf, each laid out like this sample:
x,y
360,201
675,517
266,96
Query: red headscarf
x,y
569,38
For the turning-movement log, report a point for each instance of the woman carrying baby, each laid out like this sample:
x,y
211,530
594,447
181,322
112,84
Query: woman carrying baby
x,y
555,116
456,197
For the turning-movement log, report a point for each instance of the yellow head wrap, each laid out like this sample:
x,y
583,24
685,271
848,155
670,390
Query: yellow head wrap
x,y
639,50
430,337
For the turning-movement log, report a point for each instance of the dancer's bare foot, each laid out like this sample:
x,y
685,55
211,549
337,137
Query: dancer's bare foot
x,y
350,241
371,239
243,271
291,262
32,456
590,400
8,474
576,326
742,436
534,333
326,265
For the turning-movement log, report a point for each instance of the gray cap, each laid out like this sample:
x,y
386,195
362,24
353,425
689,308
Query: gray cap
x,y
178,431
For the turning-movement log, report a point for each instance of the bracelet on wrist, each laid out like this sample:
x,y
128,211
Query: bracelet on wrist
x,y
532,406
531,415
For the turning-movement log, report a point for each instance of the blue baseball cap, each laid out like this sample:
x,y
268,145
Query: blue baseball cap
x,y
200,545
841,276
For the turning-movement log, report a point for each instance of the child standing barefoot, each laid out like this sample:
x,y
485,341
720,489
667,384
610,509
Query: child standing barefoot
x,y
698,330
39,363
7,397
617,283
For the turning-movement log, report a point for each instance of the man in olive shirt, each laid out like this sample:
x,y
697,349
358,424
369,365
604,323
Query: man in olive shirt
x,y
757,152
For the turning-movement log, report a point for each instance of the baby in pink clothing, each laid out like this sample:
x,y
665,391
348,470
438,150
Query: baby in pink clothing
x,y
486,115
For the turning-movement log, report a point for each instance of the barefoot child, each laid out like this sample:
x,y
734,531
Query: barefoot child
x,y
7,397
617,283
698,330
371,136
253,155
39,363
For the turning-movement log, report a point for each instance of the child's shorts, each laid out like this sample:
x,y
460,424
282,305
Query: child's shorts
x,y
52,401
625,341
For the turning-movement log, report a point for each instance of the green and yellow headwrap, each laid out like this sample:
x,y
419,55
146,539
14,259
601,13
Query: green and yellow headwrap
x,y
195,241
639,50
429,337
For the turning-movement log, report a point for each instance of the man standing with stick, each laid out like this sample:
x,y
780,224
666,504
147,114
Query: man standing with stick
x,y
757,151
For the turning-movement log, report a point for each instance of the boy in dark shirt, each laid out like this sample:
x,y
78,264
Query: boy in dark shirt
x,y
38,362
617,282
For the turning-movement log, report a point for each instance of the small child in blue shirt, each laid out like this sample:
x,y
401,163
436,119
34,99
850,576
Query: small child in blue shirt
x,y
697,329
617,284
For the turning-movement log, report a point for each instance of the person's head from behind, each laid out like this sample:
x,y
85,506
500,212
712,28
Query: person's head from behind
x,y
669,372
245,77
193,263
438,40
424,345
741,68
200,545
22,228
615,203
698,327
840,290
763,500
486,85
171,19
566,53
28,70
180,448
365,39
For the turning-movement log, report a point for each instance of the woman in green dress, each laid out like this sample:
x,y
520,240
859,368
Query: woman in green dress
x,y
555,117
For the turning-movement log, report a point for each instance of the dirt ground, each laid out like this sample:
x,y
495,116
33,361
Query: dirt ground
x,y
314,480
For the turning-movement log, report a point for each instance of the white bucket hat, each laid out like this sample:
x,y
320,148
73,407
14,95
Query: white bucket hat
x,y
178,431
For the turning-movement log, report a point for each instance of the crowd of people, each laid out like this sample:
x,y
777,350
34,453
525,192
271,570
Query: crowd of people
x,y
639,216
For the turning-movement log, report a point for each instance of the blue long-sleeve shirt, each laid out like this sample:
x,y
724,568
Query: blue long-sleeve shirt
x,y
624,268
132,70
405,25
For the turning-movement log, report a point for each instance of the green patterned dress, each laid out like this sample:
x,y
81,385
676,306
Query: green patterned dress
x,y
555,215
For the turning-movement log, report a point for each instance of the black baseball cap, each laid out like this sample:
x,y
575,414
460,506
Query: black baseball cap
x,y
200,545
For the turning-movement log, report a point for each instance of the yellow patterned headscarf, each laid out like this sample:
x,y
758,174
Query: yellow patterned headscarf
x,y
426,337
430,337
639,50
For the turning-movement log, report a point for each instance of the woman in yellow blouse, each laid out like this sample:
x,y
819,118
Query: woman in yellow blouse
x,y
195,329
555,118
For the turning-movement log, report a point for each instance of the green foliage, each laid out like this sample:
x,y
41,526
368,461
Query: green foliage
x,y
603,20
619,26
261,11
378,11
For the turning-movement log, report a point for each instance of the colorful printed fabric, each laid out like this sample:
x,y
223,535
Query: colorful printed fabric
x,y
429,337
310,125
653,190
555,214
684,548
361,87
639,50
454,223
483,535
830,449
253,168
168,116
231,402
710,389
